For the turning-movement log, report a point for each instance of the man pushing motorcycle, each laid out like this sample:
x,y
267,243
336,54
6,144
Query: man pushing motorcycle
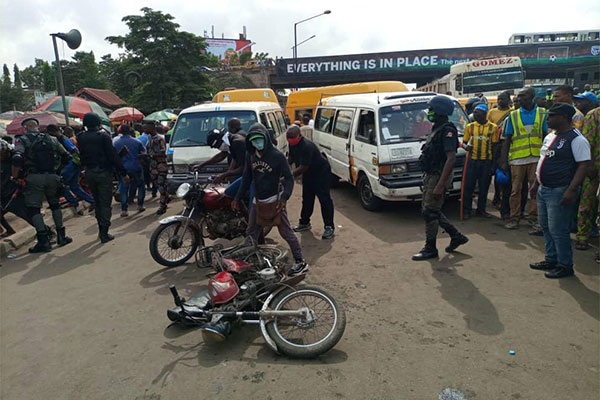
x,y
265,167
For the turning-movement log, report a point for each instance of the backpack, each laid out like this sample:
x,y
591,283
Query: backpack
x,y
43,153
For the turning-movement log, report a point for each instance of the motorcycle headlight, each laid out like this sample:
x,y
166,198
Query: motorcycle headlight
x,y
183,190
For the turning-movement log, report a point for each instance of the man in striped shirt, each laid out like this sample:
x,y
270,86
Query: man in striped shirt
x,y
478,138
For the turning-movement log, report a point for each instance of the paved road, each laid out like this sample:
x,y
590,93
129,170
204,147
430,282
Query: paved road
x,y
88,321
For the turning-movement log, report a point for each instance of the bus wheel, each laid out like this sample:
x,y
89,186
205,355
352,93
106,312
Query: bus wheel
x,y
367,199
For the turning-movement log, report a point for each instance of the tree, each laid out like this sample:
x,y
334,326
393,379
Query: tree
x,y
245,57
164,57
82,72
6,76
40,76
17,79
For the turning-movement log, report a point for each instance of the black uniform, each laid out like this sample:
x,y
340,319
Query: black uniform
x,y
316,181
443,138
100,160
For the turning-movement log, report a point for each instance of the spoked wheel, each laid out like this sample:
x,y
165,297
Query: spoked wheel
x,y
304,337
170,246
273,252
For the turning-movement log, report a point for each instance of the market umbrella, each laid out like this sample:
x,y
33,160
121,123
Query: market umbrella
x,y
11,115
45,118
162,115
76,106
126,114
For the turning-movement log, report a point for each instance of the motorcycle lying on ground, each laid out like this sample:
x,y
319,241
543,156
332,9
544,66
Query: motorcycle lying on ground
x,y
251,286
207,214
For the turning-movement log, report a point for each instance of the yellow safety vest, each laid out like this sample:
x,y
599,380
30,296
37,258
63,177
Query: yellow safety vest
x,y
524,143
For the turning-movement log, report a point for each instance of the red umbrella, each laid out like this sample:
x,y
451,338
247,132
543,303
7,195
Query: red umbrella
x,y
126,114
75,106
45,118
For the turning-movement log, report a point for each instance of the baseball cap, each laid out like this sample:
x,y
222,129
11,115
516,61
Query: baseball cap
x,y
562,109
588,96
482,107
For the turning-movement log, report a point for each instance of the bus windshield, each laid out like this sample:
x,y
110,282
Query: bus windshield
x,y
408,122
192,128
493,80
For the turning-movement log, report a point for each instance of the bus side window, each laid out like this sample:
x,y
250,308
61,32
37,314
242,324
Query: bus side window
x,y
274,125
458,83
263,119
324,119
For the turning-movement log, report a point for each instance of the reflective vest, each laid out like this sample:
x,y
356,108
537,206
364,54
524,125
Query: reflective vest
x,y
526,143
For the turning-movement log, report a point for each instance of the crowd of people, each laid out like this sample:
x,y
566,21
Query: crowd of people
x,y
49,165
544,159
545,156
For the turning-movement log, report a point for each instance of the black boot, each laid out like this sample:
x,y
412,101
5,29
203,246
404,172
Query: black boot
x,y
104,236
61,237
43,244
456,241
427,252
51,235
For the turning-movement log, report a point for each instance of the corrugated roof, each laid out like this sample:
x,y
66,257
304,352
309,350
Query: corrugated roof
x,y
102,95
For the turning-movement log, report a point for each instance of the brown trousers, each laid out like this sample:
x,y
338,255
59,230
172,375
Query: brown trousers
x,y
519,173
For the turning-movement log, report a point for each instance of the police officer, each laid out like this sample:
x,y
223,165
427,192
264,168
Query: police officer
x,y
39,155
100,159
437,160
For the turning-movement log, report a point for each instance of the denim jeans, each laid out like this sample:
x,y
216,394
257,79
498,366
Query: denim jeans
x,y
70,175
136,184
234,186
555,219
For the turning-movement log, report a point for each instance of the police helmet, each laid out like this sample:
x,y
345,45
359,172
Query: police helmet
x,y
214,137
441,105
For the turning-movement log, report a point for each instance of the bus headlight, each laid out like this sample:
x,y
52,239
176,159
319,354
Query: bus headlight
x,y
389,169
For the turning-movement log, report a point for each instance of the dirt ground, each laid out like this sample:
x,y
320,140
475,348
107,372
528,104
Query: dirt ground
x,y
88,321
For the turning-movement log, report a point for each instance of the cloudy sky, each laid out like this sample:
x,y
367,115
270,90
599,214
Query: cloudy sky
x,y
352,26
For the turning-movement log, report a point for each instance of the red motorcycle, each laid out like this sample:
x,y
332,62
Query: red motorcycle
x,y
251,286
207,214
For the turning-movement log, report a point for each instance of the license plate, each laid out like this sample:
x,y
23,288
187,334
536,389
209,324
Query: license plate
x,y
401,152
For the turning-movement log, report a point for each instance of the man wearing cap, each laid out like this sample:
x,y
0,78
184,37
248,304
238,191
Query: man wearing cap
x,y
586,102
564,163
39,155
266,167
565,94
478,138
524,132
101,161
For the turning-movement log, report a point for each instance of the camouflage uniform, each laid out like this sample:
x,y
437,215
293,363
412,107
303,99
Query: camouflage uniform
x,y
588,205
158,166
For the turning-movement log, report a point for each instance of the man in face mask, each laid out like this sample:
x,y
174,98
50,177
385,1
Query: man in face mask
x,y
316,180
437,160
265,167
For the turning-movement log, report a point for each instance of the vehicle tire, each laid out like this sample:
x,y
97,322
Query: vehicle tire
x,y
161,248
306,296
365,193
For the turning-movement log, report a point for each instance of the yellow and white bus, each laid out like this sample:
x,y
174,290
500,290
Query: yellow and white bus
x,y
488,76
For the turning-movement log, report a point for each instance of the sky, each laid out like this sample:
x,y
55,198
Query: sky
x,y
352,27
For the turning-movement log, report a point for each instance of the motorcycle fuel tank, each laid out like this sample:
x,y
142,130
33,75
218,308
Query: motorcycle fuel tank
x,y
222,288
233,265
215,198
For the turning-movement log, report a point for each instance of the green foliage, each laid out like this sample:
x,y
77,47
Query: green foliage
x,y
165,58
12,95
40,76
222,81
82,72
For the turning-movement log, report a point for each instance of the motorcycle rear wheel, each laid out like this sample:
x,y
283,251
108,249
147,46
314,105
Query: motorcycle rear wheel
x,y
162,250
297,338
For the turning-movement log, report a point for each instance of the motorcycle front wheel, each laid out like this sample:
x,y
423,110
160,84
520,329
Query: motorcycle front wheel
x,y
171,247
298,337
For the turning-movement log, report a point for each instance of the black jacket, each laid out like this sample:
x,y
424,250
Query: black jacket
x,y
97,151
265,172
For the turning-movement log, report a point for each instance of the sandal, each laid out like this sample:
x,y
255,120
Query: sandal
x,y
582,245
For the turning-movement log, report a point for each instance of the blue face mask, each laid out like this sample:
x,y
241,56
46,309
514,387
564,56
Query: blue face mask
x,y
259,144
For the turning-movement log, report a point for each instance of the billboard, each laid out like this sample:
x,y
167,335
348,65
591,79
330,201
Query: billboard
x,y
223,47
440,60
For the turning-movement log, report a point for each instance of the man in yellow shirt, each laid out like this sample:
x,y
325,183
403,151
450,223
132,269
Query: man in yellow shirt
x,y
479,137
564,94
498,116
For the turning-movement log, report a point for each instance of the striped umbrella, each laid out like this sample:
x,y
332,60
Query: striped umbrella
x,y
76,106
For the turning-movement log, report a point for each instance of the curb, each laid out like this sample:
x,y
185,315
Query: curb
x,y
23,237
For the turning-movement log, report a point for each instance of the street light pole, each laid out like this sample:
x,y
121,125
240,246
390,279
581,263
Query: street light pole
x,y
295,52
305,40
61,85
